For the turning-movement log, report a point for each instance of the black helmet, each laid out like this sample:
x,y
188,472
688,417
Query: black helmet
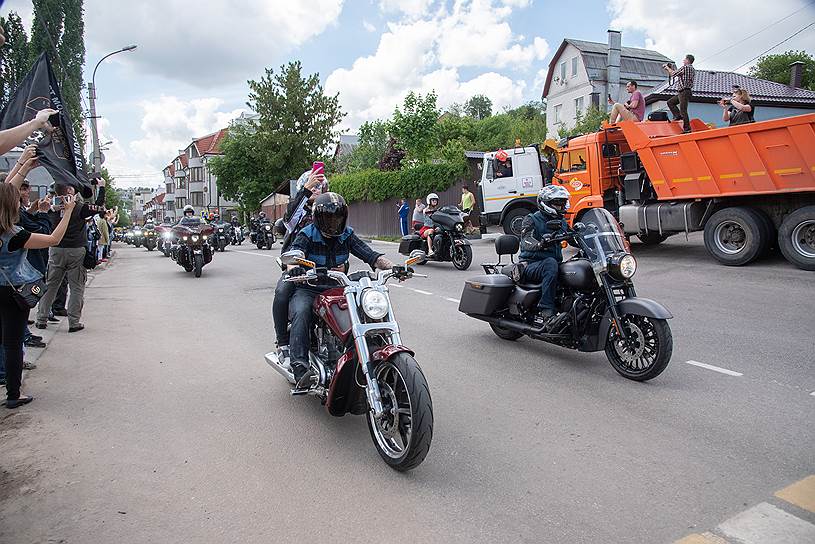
x,y
553,200
280,227
167,219
330,214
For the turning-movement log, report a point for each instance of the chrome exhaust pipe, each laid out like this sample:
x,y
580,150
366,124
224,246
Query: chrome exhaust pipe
x,y
285,371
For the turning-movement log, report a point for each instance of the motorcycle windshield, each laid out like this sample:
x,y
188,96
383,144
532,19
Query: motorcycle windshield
x,y
603,236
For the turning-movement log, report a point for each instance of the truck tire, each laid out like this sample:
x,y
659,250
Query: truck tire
x,y
796,238
652,238
513,219
735,236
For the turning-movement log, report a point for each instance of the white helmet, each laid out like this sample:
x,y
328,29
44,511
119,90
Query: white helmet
x,y
431,196
553,200
188,208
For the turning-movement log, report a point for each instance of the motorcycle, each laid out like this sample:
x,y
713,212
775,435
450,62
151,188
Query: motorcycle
x,y
598,308
237,234
137,237
264,238
165,239
362,366
220,237
449,243
150,239
192,251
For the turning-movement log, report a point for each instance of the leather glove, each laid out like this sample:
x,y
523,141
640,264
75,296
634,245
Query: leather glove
x,y
296,271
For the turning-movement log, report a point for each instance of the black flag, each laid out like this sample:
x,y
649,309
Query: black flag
x,y
58,149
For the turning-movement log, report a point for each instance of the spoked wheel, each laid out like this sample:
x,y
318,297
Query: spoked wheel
x,y
199,265
645,352
462,257
403,434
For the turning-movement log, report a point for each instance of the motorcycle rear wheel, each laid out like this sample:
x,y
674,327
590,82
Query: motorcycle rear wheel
x,y
649,349
199,265
403,434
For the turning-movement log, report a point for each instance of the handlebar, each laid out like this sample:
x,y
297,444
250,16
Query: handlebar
x,y
381,278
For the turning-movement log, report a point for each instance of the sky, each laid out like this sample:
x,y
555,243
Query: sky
x,y
188,76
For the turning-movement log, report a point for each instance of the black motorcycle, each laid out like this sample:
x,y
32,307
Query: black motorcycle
x,y
150,239
449,243
598,308
264,238
220,236
237,234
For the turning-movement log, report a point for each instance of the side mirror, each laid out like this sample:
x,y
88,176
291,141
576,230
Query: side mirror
x,y
416,256
554,224
296,257
579,227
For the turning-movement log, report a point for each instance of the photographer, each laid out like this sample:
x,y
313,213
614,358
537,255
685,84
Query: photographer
x,y
632,110
685,76
66,259
737,109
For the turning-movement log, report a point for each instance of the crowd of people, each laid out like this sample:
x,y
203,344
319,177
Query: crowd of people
x,y
46,248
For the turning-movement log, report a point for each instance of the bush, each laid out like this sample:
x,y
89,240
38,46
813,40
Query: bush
x,y
376,185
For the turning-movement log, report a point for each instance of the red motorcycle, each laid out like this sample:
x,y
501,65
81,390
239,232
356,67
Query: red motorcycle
x,y
192,251
361,364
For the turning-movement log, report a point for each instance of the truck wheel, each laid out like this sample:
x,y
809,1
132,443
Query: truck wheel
x,y
769,231
735,236
513,220
651,238
796,238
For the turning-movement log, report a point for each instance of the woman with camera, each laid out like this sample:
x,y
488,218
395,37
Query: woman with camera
x,y
737,109
17,272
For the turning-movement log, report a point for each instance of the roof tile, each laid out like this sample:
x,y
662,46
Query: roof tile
x,y
712,84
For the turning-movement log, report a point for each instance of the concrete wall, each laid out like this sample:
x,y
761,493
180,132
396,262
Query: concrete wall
x,y
712,113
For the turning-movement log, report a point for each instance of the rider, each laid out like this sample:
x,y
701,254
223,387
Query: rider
x,y
189,217
538,250
328,242
427,230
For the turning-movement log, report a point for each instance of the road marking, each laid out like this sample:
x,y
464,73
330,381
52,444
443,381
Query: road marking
x,y
767,524
396,285
457,301
813,394
704,538
714,368
801,494
421,292
255,254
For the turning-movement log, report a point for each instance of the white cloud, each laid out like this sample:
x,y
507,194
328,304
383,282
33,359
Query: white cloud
x,y
411,8
427,52
674,28
205,45
368,26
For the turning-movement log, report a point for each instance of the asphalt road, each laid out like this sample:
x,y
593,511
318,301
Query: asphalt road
x,y
162,423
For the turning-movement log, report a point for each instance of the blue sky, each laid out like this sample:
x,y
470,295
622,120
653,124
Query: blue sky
x,y
188,76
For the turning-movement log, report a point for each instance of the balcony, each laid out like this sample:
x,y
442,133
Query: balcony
x,y
196,186
180,173
195,162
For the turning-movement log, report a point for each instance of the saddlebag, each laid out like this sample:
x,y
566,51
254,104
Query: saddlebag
x,y
484,295
410,243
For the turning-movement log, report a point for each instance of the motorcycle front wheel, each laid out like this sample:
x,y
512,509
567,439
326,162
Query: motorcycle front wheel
x,y
646,351
199,265
462,257
403,434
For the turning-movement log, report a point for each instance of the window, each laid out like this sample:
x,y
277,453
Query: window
x,y
557,113
197,199
563,162
563,72
577,160
578,105
197,174
490,170
503,169
574,66
180,203
182,183
170,188
171,206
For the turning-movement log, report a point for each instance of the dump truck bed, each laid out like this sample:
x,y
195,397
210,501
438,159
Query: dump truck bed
x,y
769,157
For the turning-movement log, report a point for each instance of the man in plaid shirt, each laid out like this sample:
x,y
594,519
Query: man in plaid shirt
x,y
329,243
685,77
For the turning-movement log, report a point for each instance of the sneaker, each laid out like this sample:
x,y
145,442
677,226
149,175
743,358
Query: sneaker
x,y
303,375
29,366
60,313
31,343
34,337
76,328
284,357
41,325
51,319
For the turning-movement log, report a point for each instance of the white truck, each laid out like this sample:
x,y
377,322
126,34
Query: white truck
x,y
509,188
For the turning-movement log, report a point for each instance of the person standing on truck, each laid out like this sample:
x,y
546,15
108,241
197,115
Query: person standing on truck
x,y
685,76
737,109
632,110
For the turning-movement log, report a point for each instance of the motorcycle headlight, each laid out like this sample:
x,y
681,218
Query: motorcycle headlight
x,y
374,304
622,267
185,238
220,230
205,237
268,227
166,235
194,237
459,227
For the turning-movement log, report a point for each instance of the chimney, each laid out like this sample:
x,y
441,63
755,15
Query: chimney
x,y
613,63
796,73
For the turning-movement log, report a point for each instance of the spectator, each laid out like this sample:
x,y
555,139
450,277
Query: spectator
x,y
404,210
467,204
12,137
15,270
632,110
104,236
685,77
738,109
418,216
66,260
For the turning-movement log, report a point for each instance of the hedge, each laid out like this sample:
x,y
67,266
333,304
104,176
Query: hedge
x,y
376,185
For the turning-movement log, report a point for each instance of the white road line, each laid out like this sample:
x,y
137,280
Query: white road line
x,y
256,254
452,299
813,394
764,524
714,368
421,292
396,285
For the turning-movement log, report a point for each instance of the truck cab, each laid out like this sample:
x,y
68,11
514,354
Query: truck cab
x,y
509,188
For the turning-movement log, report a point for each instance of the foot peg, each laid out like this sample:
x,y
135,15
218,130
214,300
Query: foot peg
x,y
299,392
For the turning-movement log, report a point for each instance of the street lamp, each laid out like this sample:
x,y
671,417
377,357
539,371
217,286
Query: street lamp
x,y
97,155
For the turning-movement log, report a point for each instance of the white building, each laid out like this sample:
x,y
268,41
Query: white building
x,y
583,74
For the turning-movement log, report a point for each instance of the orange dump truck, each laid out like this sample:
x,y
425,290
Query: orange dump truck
x,y
749,187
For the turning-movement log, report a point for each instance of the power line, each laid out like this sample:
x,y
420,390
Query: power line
x,y
788,38
806,5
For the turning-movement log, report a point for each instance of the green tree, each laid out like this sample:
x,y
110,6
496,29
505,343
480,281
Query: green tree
x,y
113,199
414,126
14,63
58,29
478,107
777,68
585,122
373,141
297,124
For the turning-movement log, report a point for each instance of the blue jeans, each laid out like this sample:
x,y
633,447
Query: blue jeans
x,y
301,317
545,273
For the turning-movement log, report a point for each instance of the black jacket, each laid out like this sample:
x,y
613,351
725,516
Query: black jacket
x,y
38,223
77,234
